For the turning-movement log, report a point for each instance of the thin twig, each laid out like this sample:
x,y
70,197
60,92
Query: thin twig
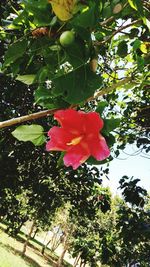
x,y
120,29
105,22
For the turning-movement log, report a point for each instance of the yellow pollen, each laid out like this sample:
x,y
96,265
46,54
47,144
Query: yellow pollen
x,y
75,141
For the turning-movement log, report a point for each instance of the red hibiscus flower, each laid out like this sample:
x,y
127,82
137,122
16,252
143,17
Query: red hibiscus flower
x,y
79,136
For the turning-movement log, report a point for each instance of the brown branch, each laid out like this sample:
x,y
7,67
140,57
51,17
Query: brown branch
x,y
29,117
110,88
105,22
110,19
117,31
45,113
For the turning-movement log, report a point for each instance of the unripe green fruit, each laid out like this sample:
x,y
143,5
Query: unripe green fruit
x,y
66,38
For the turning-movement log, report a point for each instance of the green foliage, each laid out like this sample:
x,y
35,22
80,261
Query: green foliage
x,y
33,133
27,79
77,85
15,51
137,5
33,183
101,107
40,11
132,193
110,125
122,49
87,18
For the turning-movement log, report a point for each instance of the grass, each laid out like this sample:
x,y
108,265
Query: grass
x,y
10,253
11,249
9,259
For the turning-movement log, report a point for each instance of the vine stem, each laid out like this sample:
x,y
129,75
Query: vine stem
x,y
45,113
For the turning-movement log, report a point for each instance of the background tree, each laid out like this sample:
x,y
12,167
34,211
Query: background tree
x,y
103,66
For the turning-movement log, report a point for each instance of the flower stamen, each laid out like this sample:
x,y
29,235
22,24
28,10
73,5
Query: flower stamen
x,y
75,141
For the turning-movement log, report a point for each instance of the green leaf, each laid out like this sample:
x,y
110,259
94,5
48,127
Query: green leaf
x,y
140,62
15,51
107,12
110,125
136,44
101,106
44,98
132,4
39,140
83,33
110,140
76,53
87,18
60,162
139,6
27,79
146,22
22,16
93,161
40,11
122,50
77,85
41,94
33,133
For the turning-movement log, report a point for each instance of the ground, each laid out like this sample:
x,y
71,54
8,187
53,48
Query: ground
x,y
10,253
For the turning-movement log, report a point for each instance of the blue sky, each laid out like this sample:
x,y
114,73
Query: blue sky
x,y
137,166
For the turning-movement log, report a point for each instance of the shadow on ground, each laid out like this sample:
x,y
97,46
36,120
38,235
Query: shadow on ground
x,y
27,258
48,257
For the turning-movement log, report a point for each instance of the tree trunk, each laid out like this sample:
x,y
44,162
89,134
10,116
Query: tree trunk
x,y
54,239
45,246
81,263
60,260
77,259
28,238
35,232
65,246
84,263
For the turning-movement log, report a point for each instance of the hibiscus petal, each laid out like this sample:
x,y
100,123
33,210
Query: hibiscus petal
x,y
93,122
76,155
99,148
58,139
71,120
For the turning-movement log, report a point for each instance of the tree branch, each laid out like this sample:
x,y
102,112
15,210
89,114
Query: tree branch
x,y
117,31
29,117
110,88
110,19
45,113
